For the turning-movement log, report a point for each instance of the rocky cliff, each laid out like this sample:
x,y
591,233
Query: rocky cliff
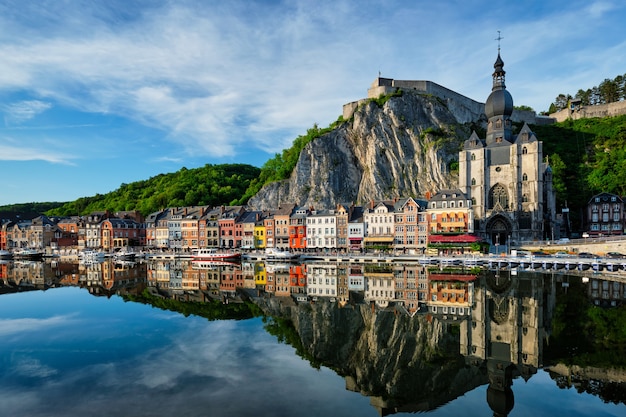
x,y
401,147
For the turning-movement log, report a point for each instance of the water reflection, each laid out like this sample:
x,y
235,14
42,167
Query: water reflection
x,y
411,337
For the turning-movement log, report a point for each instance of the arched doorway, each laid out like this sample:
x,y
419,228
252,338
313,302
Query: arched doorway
x,y
499,232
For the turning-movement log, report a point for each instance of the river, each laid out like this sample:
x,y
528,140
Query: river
x,y
174,338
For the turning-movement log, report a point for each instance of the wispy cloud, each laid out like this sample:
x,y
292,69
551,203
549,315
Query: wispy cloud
x,y
19,153
23,110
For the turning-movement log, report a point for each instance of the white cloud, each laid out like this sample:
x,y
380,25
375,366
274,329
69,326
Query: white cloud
x,y
10,327
24,110
20,153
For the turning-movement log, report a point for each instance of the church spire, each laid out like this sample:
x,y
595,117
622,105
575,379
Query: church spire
x,y
499,106
498,74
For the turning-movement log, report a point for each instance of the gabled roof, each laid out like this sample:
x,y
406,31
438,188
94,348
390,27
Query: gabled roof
x,y
449,194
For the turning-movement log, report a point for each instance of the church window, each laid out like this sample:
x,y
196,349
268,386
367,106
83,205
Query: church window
x,y
473,181
524,150
498,197
524,177
473,157
473,200
525,198
498,124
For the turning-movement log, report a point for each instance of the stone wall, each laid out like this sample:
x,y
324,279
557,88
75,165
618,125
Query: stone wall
x,y
583,112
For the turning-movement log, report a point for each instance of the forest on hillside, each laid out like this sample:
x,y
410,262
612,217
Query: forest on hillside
x,y
587,156
211,185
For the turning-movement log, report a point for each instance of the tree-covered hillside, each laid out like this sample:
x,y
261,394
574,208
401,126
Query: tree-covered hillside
x,y
211,185
587,156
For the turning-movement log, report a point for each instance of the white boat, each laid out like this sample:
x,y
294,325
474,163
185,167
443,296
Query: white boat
x,y
277,254
91,255
27,254
212,254
124,254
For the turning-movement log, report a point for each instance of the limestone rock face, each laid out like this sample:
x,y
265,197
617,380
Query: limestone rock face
x,y
400,149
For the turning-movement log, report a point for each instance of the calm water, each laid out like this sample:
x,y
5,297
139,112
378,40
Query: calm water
x,y
66,351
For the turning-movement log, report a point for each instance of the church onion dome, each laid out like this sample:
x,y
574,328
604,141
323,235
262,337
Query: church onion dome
x,y
500,101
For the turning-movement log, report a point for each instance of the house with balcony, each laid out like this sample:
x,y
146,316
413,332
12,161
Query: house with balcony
x,y
379,225
297,229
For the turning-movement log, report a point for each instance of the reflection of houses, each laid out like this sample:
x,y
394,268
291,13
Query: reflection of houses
x,y
605,215
322,280
451,294
297,276
606,292
379,285
411,286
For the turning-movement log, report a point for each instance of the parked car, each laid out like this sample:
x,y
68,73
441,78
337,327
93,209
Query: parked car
x,y
615,255
562,254
586,255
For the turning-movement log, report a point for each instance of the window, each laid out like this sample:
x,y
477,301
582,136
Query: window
x,y
498,197
473,181
524,177
473,158
524,150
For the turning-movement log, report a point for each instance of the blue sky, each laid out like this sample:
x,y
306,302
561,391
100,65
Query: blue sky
x,y
96,94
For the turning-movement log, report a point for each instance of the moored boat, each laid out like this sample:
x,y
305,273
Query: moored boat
x,y
272,254
212,254
5,254
27,254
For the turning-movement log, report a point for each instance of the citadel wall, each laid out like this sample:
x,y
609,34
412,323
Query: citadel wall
x,y
464,108
583,112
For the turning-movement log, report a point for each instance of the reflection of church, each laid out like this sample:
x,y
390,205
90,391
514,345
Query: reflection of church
x,y
505,333
504,175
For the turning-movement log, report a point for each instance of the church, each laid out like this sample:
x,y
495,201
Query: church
x,y
505,176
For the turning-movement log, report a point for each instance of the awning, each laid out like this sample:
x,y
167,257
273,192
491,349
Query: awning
x,y
382,239
453,239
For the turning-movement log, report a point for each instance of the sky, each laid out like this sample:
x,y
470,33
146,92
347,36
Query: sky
x,y
94,94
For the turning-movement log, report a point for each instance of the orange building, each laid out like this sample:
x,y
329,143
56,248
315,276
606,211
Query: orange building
x,y
297,229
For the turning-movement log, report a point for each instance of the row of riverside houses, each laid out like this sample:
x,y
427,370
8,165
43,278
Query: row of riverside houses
x,y
443,222
406,224
402,224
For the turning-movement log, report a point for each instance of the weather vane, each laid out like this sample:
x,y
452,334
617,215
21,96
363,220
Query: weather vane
x,y
499,38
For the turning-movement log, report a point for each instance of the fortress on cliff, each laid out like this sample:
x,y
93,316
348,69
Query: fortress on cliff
x,y
464,108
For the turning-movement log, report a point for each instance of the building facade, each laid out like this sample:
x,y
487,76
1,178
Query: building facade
x,y
505,176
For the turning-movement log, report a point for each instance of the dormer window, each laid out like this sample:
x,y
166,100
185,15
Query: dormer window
x,y
524,150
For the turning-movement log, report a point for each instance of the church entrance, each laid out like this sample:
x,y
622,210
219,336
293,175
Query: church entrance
x,y
499,232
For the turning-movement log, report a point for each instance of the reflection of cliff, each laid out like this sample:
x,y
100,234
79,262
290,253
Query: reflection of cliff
x,y
402,363
417,363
